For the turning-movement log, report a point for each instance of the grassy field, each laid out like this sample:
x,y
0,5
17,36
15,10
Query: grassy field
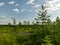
x,y
28,35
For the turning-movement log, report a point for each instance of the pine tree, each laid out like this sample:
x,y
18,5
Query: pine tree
x,y
24,22
57,21
33,23
49,22
20,23
42,16
47,41
28,23
14,21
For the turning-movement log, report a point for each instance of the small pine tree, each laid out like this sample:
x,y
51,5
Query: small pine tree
x,y
14,21
57,21
42,16
49,22
24,23
33,23
20,23
47,41
28,23
9,23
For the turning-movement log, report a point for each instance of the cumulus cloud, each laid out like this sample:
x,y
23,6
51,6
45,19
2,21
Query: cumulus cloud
x,y
16,10
33,3
3,16
37,5
6,21
16,4
52,5
11,2
2,3
30,2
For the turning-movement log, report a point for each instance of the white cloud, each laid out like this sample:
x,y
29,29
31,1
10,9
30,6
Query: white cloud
x,y
36,5
16,10
23,10
33,3
2,3
6,21
16,4
52,5
3,16
54,8
11,2
30,2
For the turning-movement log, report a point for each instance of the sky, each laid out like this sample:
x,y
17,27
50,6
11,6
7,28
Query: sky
x,y
26,9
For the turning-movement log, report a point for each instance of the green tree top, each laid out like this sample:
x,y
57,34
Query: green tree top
x,y
14,21
42,15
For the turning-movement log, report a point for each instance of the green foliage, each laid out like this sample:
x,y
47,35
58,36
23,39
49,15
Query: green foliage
x,y
36,34
47,41
29,35
26,23
42,15
14,21
20,23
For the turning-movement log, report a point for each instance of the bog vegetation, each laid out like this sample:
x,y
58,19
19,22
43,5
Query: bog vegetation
x,y
41,32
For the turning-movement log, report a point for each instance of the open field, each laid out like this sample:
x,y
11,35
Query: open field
x,y
29,35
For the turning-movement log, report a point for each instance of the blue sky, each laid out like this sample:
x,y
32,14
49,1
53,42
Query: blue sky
x,y
26,9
